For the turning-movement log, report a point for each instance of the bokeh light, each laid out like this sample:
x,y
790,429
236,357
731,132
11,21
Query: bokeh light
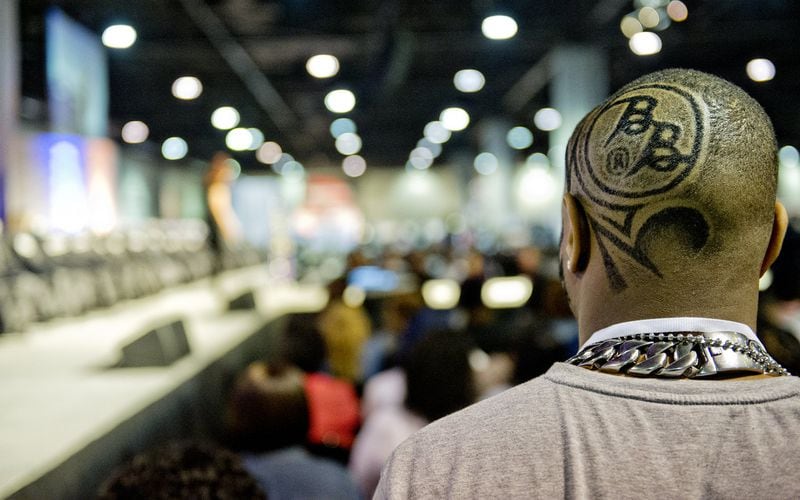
x,y
256,139
499,27
174,148
454,119
341,126
348,143
225,118
436,132
269,153
434,148
354,166
760,70
547,119
469,80
630,26
340,101
486,163
238,139
135,132
789,155
677,11
649,17
645,43
187,88
322,66
119,36
519,138
420,158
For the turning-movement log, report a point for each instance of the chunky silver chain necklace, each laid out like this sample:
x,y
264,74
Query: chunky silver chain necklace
x,y
676,355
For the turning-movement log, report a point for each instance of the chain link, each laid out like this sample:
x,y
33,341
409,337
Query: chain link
x,y
686,354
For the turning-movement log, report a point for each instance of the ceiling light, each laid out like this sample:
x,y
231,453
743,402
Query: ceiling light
x,y
434,148
187,88
340,126
645,43
538,159
135,132
469,80
225,118
322,66
436,132
519,138
677,11
282,161
486,163
269,153
119,36
630,26
421,158
354,166
499,27
761,70
293,170
454,119
348,143
789,155
174,148
238,139
340,101
256,138
547,119
649,17
235,166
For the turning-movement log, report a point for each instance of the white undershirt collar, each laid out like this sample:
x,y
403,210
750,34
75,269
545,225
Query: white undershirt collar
x,y
664,325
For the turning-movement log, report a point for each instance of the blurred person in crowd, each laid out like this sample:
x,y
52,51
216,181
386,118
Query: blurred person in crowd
x,y
178,470
225,230
669,219
345,328
529,263
438,381
333,402
268,421
397,311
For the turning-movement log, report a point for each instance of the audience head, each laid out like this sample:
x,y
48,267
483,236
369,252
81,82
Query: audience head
x,y
267,409
301,344
182,470
670,187
438,374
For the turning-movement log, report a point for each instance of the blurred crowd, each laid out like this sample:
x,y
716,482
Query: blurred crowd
x,y
322,413
341,388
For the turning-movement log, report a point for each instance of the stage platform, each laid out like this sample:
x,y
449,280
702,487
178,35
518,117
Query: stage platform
x,y
67,416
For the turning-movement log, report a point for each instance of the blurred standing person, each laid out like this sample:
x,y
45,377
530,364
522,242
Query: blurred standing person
x,y
268,420
345,328
332,402
438,381
225,229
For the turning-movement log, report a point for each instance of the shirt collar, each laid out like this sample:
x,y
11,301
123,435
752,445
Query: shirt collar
x,y
664,325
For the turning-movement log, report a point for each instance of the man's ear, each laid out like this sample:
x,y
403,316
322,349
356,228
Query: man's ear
x,y
779,226
577,236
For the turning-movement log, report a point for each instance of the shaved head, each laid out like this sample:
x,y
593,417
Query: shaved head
x,y
676,173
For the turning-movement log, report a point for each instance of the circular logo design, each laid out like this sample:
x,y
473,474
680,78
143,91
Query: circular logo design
x,y
643,143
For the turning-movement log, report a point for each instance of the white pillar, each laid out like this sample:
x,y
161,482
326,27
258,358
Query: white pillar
x,y
9,87
579,82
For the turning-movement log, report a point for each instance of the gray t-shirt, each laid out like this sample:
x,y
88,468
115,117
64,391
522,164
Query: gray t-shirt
x,y
574,433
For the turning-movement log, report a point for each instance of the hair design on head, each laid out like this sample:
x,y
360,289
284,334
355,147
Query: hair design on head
x,y
634,161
